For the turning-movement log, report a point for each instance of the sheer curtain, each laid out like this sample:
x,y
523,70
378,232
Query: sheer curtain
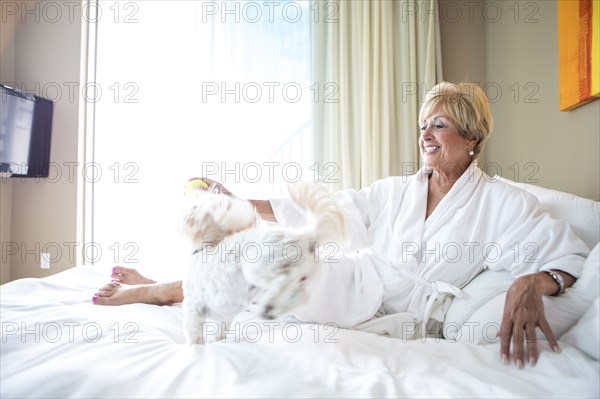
x,y
381,56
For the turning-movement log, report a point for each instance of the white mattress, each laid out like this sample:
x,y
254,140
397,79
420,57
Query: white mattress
x,y
56,343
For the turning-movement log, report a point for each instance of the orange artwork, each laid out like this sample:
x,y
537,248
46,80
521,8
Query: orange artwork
x,y
578,52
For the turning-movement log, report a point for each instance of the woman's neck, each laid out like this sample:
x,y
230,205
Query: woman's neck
x,y
447,174
439,184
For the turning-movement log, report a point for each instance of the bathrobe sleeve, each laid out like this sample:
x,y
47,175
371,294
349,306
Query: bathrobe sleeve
x,y
360,208
347,290
532,240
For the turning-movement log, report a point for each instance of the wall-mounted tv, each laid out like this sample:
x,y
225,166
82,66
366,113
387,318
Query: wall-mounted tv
x,y
25,133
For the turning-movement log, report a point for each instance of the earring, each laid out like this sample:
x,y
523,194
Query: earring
x,y
471,152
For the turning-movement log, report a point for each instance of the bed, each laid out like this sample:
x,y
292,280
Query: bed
x,y
56,343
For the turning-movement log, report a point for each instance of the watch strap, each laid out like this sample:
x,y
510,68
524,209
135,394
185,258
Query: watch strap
x,y
558,280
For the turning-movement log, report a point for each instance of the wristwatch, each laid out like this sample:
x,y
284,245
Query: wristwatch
x,y
558,280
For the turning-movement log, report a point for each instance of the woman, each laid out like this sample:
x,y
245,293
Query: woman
x,y
416,241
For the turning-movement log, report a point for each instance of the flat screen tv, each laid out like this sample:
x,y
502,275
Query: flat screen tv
x,y
25,133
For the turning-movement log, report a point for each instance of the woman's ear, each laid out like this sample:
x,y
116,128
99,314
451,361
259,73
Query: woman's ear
x,y
471,144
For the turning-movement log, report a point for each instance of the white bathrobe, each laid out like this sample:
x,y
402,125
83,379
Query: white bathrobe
x,y
400,271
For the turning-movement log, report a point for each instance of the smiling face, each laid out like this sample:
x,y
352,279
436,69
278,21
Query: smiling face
x,y
443,148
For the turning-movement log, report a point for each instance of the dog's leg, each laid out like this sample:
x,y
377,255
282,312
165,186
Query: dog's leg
x,y
218,332
195,324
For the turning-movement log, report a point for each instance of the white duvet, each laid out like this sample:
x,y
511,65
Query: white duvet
x,y
56,343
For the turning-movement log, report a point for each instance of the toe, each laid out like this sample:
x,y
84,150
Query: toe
x,y
100,300
118,272
110,286
103,293
122,270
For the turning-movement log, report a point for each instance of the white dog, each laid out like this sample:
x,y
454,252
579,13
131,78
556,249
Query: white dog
x,y
239,260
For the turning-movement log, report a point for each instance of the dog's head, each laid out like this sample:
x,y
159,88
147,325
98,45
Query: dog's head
x,y
209,217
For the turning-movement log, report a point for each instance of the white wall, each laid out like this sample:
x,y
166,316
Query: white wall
x,y
43,212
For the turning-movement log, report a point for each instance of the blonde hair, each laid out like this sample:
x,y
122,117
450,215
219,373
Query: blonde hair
x,y
468,107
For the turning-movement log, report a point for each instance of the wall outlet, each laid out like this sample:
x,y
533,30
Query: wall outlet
x,y
45,260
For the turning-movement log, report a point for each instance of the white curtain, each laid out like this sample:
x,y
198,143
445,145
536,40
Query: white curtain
x,y
380,56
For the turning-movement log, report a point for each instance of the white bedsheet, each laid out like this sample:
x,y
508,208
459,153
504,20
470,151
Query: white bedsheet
x,y
55,343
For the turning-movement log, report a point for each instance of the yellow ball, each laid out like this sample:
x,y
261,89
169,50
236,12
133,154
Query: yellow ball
x,y
196,185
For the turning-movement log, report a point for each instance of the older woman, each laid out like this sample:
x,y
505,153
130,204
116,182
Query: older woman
x,y
416,241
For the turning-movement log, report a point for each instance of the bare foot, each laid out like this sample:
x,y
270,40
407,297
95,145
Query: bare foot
x,y
129,276
114,293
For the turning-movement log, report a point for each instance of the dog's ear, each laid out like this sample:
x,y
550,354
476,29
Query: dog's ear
x,y
196,223
212,217
201,227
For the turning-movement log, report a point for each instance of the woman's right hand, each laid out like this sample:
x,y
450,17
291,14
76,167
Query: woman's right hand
x,y
263,207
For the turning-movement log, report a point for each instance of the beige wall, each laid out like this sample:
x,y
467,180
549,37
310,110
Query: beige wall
x,y
463,42
5,224
511,47
7,67
43,212
462,32
560,149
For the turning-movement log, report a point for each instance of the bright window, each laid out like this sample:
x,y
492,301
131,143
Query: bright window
x,y
192,88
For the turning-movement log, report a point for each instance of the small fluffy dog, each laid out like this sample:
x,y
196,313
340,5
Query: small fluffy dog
x,y
239,260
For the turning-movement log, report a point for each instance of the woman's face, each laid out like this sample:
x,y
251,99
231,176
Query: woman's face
x,y
442,146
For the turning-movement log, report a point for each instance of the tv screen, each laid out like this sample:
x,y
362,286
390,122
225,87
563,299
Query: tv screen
x,y
25,133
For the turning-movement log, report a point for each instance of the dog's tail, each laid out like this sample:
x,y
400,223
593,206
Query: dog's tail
x,y
325,217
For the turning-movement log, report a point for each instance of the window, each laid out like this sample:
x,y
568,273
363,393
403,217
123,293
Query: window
x,y
192,88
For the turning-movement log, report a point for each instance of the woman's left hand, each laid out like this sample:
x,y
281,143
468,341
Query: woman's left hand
x,y
523,313
214,186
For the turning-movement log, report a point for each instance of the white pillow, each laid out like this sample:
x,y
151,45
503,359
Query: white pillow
x,y
484,323
585,335
488,285
475,317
